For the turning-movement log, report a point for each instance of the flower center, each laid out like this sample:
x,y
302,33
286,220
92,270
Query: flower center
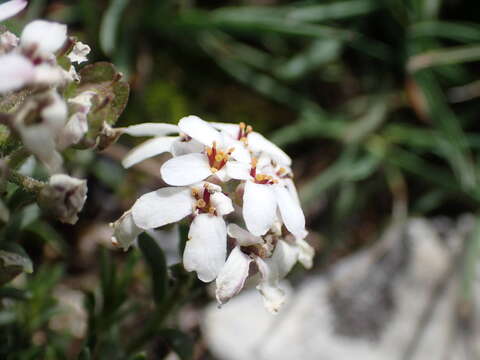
x,y
243,132
203,204
260,178
217,158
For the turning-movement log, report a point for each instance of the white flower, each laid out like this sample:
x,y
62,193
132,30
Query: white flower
x,y
64,196
79,53
205,250
11,8
176,145
264,193
274,258
41,39
15,72
77,124
125,231
194,167
39,122
256,142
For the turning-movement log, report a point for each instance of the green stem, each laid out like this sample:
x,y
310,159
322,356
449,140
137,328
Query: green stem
x,y
25,182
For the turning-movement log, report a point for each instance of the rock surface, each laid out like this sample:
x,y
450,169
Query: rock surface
x,y
399,301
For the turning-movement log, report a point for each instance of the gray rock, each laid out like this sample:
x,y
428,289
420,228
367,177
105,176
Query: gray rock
x,y
397,300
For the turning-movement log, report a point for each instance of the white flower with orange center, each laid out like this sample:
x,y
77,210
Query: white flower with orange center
x,y
272,256
206,248
215,159
265,192
254,141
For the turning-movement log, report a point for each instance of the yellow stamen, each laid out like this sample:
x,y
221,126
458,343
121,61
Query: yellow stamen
x,y
213,170
259,177
242,125
212,210
244,141
219,157
201,203
195,192
254,162
281,171
249,129
209,151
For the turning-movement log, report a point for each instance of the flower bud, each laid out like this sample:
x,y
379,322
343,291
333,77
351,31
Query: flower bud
x,y
64,197
125,231
79,52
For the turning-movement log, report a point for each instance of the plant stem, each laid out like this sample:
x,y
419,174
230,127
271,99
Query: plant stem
x,y
25,182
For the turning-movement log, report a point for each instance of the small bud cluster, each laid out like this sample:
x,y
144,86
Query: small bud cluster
x,y
236,190
45,106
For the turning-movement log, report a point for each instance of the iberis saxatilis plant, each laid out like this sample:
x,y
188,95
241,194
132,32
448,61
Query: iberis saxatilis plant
x,y
49,103
236,190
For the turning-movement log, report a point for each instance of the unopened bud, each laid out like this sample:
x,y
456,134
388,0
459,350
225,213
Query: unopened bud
x,y
107,137
63,197
125,231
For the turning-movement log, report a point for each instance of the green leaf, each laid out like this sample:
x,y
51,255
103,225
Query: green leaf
x,y
13,262
108,28
112,95
139,356
14,293
179,342
156,261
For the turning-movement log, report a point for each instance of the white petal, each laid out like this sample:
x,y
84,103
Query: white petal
x,y
206,249
230,129
238,170
125,231
40,141
284,258
162,207
151,129
292,189
221,203
200,130
11,8
74,130
292,214
15,72
306,253
46,36
148,149
273,296
259,205
55,114
79,52
222,175
183,147
240,152
46,74
232,277
186,169
257,143
243,237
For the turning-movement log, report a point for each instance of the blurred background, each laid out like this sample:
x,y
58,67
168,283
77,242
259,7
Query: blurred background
x,y
375,101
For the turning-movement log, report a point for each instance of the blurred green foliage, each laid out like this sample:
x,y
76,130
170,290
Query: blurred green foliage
x,y
376,101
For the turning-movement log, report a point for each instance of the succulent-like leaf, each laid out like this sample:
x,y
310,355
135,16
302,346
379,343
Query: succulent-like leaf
x,y
104,80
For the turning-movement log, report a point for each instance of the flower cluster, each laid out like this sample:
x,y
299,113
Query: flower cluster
x,y
46,106
222,175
